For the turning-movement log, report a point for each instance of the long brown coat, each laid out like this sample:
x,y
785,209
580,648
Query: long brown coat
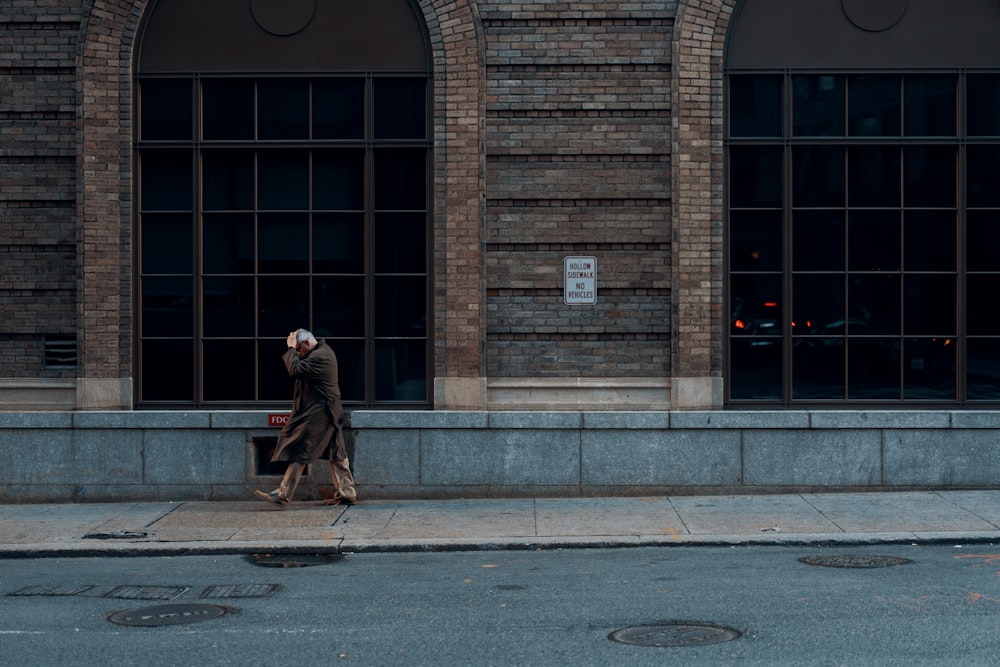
x,y
316,410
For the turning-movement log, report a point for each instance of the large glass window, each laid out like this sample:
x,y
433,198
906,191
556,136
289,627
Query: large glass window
x,y
270,203
863,237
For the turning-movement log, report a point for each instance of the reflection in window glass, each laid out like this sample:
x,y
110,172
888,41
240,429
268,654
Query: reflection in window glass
x,y
756,305
755,176
874,105
818,176
874,304
873,369
282,109
227,180
929,304
166,243
401,368
818,305
338,243
818,241
165,110
282,243
395,187
983,107
338,108
755,106
930,108
755,369
403,244
818,105
228,376
166,180
171,363
983,382
818,368
228,243
929,369
400,108
227,109
283,180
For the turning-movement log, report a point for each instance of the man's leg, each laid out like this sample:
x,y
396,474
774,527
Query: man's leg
x,y
343,482
293,473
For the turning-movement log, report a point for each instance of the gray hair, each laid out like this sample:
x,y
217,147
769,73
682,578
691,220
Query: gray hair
x,y
302,335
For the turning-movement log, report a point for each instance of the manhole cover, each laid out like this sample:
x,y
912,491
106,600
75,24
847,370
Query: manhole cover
x,y
675,634
293,560
167,614
847,560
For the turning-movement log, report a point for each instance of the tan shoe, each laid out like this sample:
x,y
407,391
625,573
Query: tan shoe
x,y
272,497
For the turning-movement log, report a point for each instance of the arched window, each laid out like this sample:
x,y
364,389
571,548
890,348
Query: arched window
x,y
863,202
283,152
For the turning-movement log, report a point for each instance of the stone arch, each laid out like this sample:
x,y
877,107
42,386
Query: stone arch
x,y
104,196
697,202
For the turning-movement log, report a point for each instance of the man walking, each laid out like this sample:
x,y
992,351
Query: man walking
x,y
313,428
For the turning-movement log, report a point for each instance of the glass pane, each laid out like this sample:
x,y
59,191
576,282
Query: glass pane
x,y
400,306
283,109
983,177
400,181
983,106
400,371
755,241
284,305
755,176
756,305
339,306
400,243
983,381
165,181
273,379
931,241
229,370
874,176
983,240
167,370
283,180
228,306
350,368
929,107
283,243
929,176
873,371
339,180
400,108
929,305
873,105
818,173
166,243
929,369
818,305
874,305
227,180
818,368
818,241
755,369
873,241
818,105
338,108
755,106
167,307
227,109
228,243
338,243
982,315
165,110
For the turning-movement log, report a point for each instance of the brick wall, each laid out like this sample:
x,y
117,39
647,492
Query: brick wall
x,y
578,163
38,186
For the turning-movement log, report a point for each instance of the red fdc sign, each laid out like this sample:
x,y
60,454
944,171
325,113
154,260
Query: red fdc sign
x,y
277,419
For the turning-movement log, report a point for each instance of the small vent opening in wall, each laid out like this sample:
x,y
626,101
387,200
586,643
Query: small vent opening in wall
x,y
60,352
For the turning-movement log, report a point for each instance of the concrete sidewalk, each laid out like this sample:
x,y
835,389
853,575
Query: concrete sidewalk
x,y
253,526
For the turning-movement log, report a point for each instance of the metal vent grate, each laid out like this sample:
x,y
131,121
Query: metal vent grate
x,y
60,352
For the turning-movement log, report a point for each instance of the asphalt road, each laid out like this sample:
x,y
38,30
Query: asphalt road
x,y
761,605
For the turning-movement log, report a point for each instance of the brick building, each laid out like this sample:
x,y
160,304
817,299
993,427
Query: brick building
x,y
785,203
